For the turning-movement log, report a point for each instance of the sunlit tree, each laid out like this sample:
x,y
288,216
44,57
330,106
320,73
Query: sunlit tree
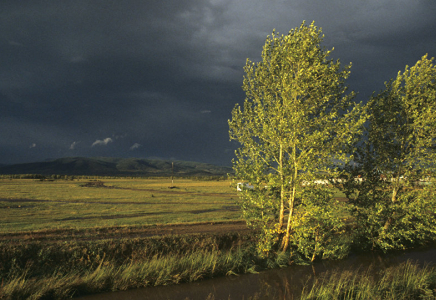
x,y
294,126
395,205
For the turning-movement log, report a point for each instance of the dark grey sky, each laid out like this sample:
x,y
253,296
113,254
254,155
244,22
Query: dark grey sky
x,y
157,78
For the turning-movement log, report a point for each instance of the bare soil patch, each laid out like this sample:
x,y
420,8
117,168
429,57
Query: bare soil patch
x,y
126,232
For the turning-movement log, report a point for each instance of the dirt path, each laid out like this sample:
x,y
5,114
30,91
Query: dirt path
x,y
125,232
20,200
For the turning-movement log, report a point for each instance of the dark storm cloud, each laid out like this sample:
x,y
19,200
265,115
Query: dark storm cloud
x,y
159,78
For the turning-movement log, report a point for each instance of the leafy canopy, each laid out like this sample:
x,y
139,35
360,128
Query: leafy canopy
x,y
295,125
395,206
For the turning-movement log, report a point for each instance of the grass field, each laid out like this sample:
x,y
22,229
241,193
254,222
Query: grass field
x,y
32,205
100,256
89,225
29,205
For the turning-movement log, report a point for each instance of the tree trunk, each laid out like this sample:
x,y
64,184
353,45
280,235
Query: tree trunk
x,y
394,194
282,210
316,246
393,199
285,241
282,190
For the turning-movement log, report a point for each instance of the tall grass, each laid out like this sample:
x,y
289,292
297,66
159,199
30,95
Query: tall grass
x,y
61,270
406,281
159,270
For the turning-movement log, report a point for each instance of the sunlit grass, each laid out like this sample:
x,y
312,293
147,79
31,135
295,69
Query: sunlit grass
x,y
405,281
62,269
27,204
153,272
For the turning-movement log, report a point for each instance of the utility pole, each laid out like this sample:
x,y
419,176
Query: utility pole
x,y
172,175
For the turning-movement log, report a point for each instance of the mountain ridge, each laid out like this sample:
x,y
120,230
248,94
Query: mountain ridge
x,y
113,166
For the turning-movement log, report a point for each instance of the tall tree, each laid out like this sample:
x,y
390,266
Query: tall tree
x,y
295,124
394,206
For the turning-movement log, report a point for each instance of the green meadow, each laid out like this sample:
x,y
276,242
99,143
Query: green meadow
x,y
89,224
70,213
33,205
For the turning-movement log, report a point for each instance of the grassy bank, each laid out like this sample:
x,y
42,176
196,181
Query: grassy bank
x,y
69,269
406,281
65,269
61,270
109,277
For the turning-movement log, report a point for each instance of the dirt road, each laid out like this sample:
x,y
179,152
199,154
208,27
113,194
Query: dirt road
x,y
125,232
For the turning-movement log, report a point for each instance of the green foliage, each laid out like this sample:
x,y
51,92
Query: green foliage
x,y
395,205
295,123
402,128
318,230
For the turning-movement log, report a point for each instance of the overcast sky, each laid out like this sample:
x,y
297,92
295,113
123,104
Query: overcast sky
x,y
158,79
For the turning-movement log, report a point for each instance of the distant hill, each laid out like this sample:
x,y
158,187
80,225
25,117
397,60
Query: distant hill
x,y
107,166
